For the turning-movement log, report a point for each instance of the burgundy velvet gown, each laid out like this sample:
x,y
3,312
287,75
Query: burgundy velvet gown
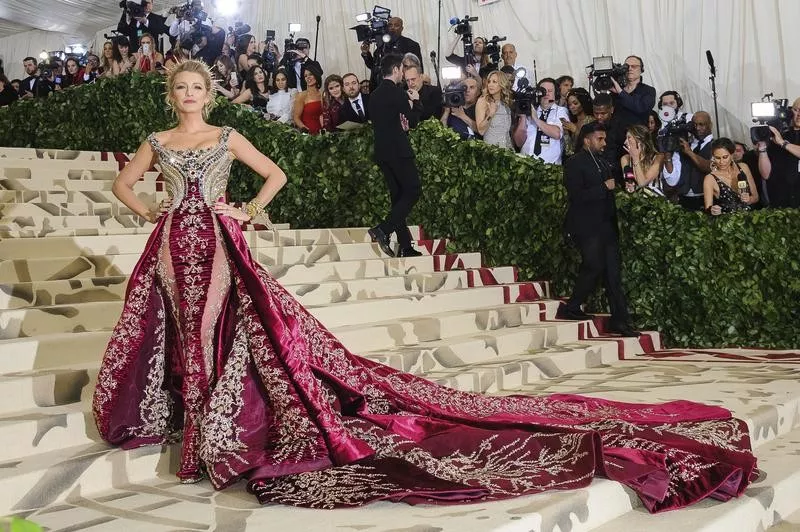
x,y
211,348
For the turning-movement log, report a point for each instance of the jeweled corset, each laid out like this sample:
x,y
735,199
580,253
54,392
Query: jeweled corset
x,y
208,167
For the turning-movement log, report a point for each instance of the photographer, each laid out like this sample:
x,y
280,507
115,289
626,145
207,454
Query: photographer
x,y
779,163
479,59
462,119
135,22
634,102
688,169
540,134
396,45
509,54
296,61
36,85
210,43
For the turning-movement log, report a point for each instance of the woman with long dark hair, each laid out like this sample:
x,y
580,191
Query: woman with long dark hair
x,y
579,108
729,187
307,110
245,47
256,90
281,100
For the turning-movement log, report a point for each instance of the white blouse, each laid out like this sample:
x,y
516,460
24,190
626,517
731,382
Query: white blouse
x,y
280,105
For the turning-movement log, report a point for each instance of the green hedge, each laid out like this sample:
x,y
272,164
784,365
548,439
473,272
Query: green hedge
x,y
731,280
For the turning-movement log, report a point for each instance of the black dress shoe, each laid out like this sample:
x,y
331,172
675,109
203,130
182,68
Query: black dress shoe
x,y
409,252
377,234
623,329
566,313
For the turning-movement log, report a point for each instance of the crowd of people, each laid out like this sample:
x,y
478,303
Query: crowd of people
x,y
699,172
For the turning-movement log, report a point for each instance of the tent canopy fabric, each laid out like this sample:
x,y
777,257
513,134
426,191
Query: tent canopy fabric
x,y
750,39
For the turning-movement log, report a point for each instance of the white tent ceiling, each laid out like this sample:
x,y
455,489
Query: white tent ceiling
x,y
75,18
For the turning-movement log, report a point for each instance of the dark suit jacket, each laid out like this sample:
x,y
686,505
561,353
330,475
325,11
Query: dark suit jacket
x,y
691,177
291,76
430,102
591,205
156,26
402,45
40,88
348,114
634,108
386,104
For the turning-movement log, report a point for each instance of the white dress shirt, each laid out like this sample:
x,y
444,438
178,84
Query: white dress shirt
x,y
280,105
672,178
551,148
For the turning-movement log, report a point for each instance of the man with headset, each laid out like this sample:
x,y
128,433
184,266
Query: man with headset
x,y
540,135
634,102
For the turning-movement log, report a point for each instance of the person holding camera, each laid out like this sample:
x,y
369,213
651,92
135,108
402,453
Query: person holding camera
x,y
296,61
143,21
591,223
462,119
493,111
779,163
540,135
224,73
35,85
478,61
392,113
635,101
398,44
687,171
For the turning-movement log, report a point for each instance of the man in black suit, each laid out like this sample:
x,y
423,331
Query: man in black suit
x,y
356,107
391,111
635,101
396,45
430,96
592,224
296,62
35,85
135,27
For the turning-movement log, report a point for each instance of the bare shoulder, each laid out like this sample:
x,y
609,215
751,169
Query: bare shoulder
x,y
163,137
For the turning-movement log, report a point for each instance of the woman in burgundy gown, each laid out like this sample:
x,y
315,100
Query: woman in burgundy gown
x,y
211,348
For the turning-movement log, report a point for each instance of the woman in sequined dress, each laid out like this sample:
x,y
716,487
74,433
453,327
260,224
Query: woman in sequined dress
x,y
212,349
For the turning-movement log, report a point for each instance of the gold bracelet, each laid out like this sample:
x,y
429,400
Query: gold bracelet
x,y
253,208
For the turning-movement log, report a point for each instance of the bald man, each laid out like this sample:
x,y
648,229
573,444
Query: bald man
x,y
509,55
396,45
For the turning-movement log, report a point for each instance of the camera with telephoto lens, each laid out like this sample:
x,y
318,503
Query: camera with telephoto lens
x,y
374,27
769,112
669,138
526,97
464,28
603,70
492,48
455,95
239,28
192,12
134,9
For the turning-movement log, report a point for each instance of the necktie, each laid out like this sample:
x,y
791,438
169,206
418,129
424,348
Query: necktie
x,y
537,146
359,110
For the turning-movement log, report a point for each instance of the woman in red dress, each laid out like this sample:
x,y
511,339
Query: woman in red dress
x,y
211,348
307,110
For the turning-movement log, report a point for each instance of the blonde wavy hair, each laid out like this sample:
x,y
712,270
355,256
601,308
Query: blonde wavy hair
x,y
506,96
196,67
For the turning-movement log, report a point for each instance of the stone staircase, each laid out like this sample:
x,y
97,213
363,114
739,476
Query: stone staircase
x,y
67,247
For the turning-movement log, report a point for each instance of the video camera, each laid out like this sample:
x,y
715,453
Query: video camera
x,y
526,97
769,112
668,139
134,8
455,93
239,28
601,72
464,28
492,48
374,27
192,12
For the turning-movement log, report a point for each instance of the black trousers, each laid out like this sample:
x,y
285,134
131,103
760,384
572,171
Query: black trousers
x,y
402,180
600,261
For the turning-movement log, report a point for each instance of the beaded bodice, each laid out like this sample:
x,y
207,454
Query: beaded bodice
x,y
207,168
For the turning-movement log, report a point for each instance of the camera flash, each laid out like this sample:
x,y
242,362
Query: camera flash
x,y
362,17
294,26
451,72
